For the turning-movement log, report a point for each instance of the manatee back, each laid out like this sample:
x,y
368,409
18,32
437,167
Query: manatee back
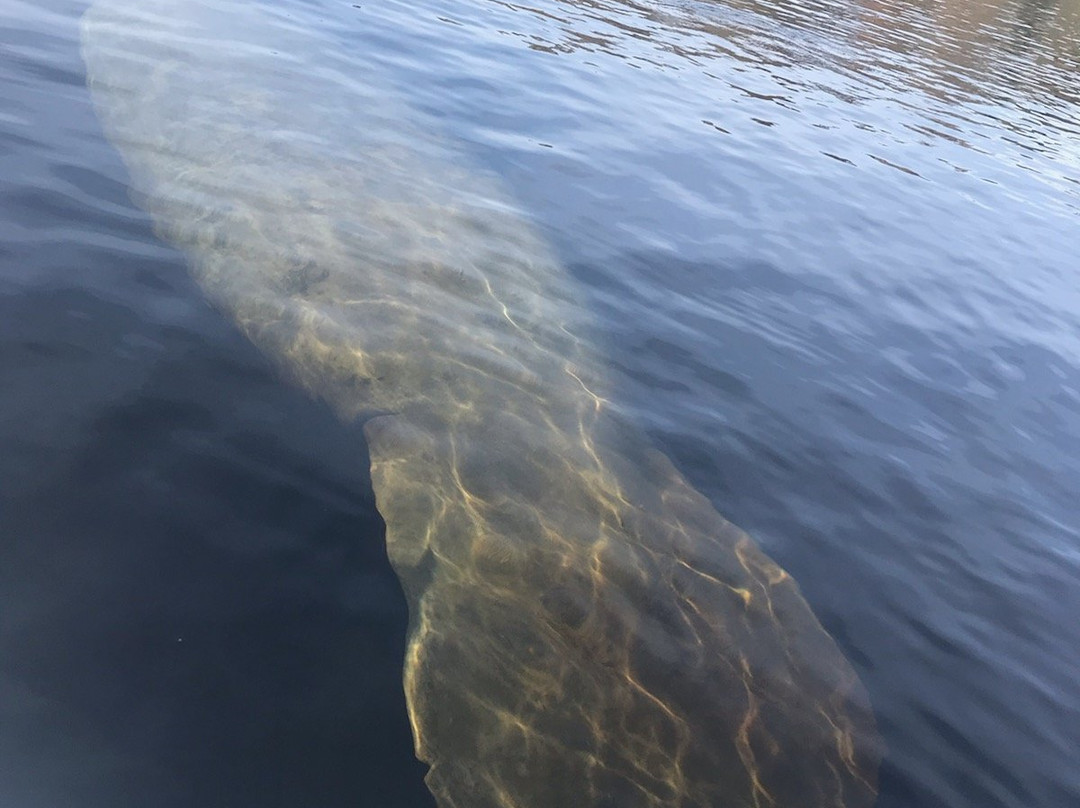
x,y
585,629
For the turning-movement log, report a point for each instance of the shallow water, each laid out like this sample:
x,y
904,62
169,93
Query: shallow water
x,y
826,248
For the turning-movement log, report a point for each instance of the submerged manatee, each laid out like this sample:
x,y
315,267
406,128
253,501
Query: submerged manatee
x,y
585,629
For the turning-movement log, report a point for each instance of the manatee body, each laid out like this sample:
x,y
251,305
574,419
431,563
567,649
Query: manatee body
x,y
585,629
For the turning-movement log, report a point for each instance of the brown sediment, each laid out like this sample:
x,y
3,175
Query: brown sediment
x,y
585,628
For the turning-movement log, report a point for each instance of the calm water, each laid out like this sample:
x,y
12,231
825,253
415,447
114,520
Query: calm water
x,y
828,249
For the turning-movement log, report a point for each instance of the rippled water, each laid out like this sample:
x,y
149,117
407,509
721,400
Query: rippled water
x,y
827,251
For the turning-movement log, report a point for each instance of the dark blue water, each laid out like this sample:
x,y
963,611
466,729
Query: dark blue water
x,y
195,602
831,253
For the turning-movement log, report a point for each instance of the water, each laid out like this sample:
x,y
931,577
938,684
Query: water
x,y
827,251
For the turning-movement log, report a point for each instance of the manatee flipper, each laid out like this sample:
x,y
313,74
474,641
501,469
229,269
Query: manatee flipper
x,y
585,629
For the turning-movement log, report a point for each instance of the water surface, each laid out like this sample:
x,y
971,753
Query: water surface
x,y
828,250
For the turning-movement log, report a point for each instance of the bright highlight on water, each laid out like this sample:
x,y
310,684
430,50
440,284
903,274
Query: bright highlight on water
x,y
585,628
